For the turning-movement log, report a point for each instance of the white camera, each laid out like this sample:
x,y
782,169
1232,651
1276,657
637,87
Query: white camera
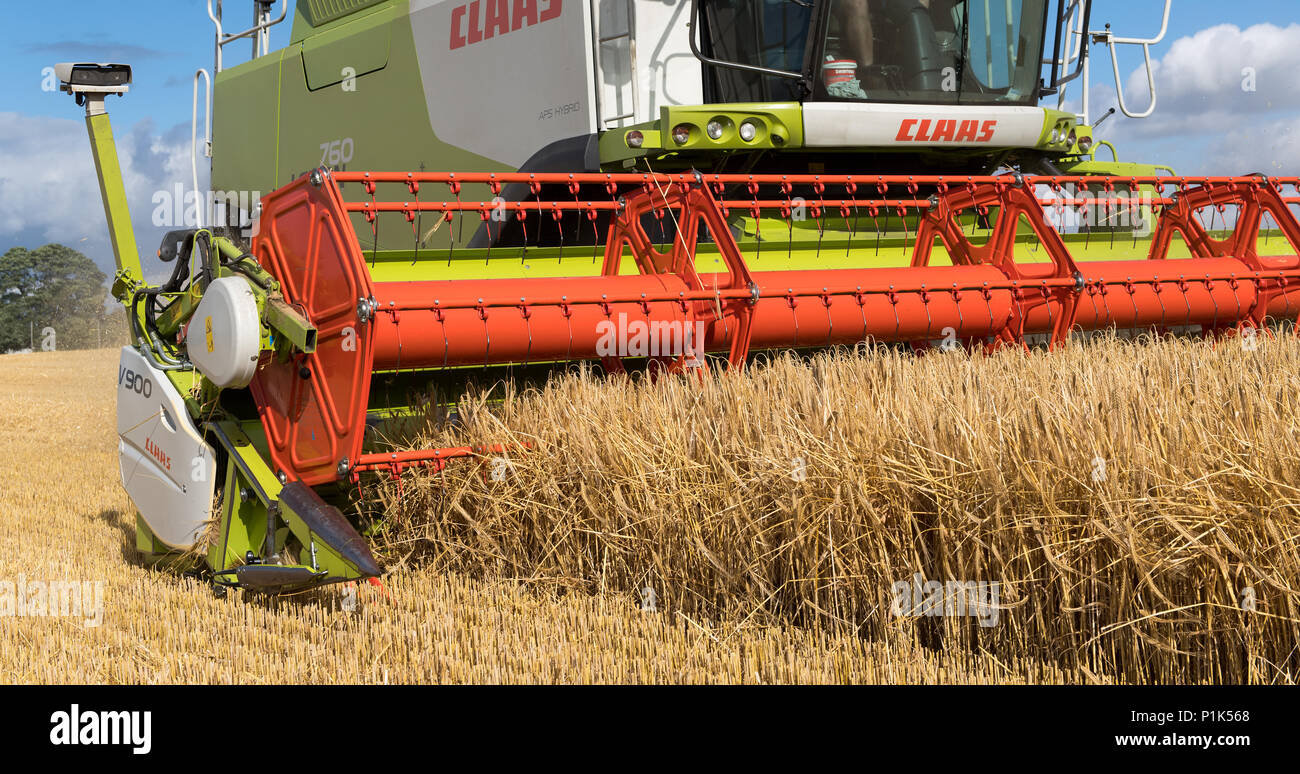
x,y
92,78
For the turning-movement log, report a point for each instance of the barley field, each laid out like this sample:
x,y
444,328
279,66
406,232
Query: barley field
x,y
1133,502
64,516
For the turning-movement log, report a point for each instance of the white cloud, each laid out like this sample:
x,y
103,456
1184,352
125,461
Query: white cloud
x,y
1272,148
49,191
1205,122
1219,77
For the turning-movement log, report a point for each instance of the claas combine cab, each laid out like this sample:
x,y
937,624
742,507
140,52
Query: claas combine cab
x,y
454,188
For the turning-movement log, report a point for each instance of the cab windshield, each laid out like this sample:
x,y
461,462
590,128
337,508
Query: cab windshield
x,y
932,51
918,51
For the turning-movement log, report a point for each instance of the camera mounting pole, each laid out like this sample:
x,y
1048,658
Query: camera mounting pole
x,y
90,84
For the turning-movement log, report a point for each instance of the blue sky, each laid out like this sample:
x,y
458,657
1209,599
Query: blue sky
x,y
164,40
1204,121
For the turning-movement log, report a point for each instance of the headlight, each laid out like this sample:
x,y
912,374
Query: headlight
x,y
682,134
1085,144
714,128
748,131
634,139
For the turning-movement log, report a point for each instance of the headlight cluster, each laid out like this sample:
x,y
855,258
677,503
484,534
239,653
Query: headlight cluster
x,y
1063,136
722,130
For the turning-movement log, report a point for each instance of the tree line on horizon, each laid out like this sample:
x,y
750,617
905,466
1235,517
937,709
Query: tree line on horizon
x,y
54,297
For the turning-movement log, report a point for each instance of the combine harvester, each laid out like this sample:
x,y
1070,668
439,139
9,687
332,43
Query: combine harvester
x,y
645,184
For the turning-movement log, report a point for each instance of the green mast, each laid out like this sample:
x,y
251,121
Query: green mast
x,y
90,84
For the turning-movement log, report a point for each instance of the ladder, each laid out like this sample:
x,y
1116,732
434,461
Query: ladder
x,y
600,41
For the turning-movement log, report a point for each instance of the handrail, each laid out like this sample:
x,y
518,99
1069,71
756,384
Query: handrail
x,y
1111,40
223,38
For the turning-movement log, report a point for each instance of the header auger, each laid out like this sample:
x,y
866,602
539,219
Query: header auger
x,y
314,404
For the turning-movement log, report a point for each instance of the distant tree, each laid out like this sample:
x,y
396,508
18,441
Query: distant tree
x,y
51,287
11,337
